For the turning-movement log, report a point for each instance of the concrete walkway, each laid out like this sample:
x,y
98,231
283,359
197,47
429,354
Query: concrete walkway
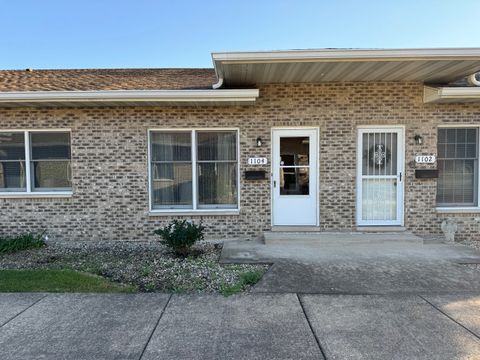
x,y
360,268
257,326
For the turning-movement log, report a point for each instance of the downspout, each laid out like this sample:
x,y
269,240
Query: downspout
x,y
472,80
218,84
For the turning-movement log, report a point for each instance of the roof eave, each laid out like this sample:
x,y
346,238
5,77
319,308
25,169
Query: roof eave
x,y
225,97
437,95
347,54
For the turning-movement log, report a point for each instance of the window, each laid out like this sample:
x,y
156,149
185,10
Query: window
x,y
194,169
35,162
457,183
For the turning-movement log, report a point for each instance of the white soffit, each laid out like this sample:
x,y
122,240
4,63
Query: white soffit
x,y
450,94
221,97
426,65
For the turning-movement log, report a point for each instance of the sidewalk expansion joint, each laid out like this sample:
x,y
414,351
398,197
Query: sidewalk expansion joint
x,y
21,312
448,316
311,327
155,327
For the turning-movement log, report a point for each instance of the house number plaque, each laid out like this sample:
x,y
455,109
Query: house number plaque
x,y
257,161
425,159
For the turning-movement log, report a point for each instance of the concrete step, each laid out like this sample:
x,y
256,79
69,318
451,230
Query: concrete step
x,y
336,238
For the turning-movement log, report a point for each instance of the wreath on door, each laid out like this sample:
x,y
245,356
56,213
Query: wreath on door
x,y
379,155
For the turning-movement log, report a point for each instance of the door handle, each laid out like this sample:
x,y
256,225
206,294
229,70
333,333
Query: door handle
x,y
274,183
400,177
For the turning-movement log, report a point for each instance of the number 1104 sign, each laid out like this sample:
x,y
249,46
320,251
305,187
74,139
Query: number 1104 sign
x,y
257,161
425,159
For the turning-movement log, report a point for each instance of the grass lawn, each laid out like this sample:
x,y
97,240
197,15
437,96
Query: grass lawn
x,y
47,280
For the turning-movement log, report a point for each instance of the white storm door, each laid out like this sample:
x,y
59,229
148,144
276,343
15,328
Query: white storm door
x,y
380,176
294,177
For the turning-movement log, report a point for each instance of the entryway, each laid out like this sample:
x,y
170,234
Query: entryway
x,y
295,177
380,176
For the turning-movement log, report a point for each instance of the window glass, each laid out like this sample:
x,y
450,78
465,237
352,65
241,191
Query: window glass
x,y
50,164
171,170
217,169
12,161
294,165
457,166
171,146
217,145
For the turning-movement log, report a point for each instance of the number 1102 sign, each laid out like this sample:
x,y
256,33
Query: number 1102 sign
x,y
425,159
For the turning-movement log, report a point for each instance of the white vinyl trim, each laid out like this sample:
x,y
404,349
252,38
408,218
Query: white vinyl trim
x,y
450,94
317,154
400,130
463,209
348,54
36,194
194,209
29,193
223,95
458,210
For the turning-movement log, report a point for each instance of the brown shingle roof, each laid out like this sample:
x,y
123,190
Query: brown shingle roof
x,y
106,79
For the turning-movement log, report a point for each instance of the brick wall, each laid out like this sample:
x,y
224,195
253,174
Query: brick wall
x,y
109,159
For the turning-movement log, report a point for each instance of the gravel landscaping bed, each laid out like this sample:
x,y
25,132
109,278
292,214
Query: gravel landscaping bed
x,y
148,266
473,244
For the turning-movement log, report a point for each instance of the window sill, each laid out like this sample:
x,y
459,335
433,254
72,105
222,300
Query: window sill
x,y
193,212
24,195
458,210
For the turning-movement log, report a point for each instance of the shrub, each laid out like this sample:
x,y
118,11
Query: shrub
x,y
180,236
21,242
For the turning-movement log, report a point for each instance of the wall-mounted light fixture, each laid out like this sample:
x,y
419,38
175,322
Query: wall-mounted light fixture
x,y
418,139
259,141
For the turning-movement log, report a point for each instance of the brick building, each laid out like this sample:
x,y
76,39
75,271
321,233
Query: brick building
x,y
317,140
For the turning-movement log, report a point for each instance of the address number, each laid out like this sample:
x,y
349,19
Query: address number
x,y
425,159
257,161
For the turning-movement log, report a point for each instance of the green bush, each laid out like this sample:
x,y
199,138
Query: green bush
x,y
180,236
21,242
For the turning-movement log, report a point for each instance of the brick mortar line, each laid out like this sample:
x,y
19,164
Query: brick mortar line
x,y
155,327
448,316
311,327
21,312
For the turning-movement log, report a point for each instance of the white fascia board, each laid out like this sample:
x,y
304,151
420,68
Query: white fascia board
x,y
185,96
450,94
347,55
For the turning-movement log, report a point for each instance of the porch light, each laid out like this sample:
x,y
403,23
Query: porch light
x,y
259,141
418,139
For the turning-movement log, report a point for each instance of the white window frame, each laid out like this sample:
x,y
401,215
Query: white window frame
x,y
29,193
194,210
462,209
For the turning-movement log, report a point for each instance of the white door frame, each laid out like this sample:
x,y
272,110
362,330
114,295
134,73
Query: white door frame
x,y
400,130
317,169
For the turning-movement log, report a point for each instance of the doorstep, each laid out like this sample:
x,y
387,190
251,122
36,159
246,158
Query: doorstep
x,y
336,238
377,229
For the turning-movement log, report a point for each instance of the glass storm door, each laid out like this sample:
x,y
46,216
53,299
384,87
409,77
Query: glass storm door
x,y
380,176
294,177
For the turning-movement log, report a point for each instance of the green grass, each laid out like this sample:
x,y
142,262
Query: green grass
x,y
56,281
248,278
21,242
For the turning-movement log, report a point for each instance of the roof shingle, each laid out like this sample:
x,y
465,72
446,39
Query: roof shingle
x,y
106,79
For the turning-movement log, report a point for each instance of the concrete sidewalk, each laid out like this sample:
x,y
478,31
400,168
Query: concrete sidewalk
x,y
256,326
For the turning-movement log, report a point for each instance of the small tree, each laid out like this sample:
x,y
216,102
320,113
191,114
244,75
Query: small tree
x,y
180,236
